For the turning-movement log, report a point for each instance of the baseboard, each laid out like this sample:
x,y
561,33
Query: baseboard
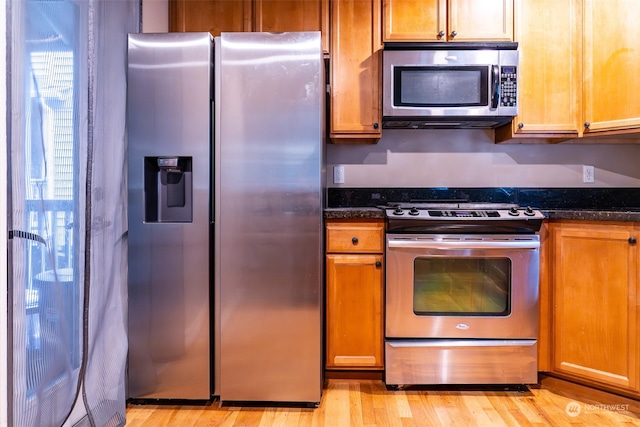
x,y
589,394
353,375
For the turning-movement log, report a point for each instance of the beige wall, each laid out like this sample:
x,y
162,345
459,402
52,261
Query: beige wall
x,y
155,16
468,158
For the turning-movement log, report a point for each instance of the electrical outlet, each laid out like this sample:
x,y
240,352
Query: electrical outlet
x,y
338,174
588,173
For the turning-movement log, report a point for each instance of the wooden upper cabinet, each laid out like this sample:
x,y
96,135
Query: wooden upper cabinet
x,y
355,106
448,20
217,16
473,20
549,88
415,20
611,61
293,15
214,16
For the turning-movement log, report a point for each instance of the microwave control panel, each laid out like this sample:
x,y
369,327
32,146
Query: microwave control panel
x,y
508,86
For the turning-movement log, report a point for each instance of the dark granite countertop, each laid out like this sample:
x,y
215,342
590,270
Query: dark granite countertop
x,y
592,215
353,213
573,214
592,204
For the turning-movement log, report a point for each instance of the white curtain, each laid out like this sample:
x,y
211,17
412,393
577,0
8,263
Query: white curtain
x,y
67,220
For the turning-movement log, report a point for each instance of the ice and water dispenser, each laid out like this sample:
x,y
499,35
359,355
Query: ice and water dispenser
x,y
168,185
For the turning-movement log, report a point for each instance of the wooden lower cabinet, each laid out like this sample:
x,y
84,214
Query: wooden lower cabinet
x,y
354,312
354,296
595,302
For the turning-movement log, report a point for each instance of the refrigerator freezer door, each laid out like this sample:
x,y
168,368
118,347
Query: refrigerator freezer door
x,y
169,134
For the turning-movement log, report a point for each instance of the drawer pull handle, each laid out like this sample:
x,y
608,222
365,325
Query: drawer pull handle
x,y
354,240
632,240
378,264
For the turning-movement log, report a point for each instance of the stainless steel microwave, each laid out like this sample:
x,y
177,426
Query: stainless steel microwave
x,y
449,85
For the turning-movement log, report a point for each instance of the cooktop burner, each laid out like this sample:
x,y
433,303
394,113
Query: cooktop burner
x,y
461,216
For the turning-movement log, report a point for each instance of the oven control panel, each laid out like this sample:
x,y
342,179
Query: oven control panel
x,y
464,214
513,213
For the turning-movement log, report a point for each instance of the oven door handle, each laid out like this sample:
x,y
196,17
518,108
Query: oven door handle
x,y
457,245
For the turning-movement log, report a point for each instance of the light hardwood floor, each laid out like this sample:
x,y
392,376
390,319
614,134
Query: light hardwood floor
x,y
368,403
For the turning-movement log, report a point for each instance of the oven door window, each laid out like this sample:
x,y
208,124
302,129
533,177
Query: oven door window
x,y
462,286
441,86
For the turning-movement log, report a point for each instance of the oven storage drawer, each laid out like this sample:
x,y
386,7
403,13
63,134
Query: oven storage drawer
x,y
361,237
445,361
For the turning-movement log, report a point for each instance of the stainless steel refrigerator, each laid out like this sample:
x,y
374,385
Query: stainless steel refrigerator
x,y
225,208
269,119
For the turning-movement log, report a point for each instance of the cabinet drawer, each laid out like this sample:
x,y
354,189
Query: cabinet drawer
x,y
360,237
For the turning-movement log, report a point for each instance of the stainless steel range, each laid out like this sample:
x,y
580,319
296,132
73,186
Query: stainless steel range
x,y
461,293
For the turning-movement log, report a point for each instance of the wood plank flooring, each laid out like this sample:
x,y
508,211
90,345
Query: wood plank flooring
x,y
368,403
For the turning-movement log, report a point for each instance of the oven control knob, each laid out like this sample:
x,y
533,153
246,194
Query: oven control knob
x,y
398,211
514,211
414,212
529,211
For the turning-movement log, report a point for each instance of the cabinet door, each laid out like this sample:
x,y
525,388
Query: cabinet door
x,y
549,94
611,63
293,15
354,312
594,322
355,110
473,20
415,20
214,16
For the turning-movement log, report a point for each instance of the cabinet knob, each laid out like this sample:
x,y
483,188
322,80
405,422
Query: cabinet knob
x,y
354,240
454,33
376,125
632,240
520,125
587,124
378,264
441,33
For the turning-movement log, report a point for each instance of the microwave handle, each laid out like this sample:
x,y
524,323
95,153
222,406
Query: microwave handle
x,y
495,86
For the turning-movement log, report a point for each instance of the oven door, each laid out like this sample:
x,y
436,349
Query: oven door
x,y
462,286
